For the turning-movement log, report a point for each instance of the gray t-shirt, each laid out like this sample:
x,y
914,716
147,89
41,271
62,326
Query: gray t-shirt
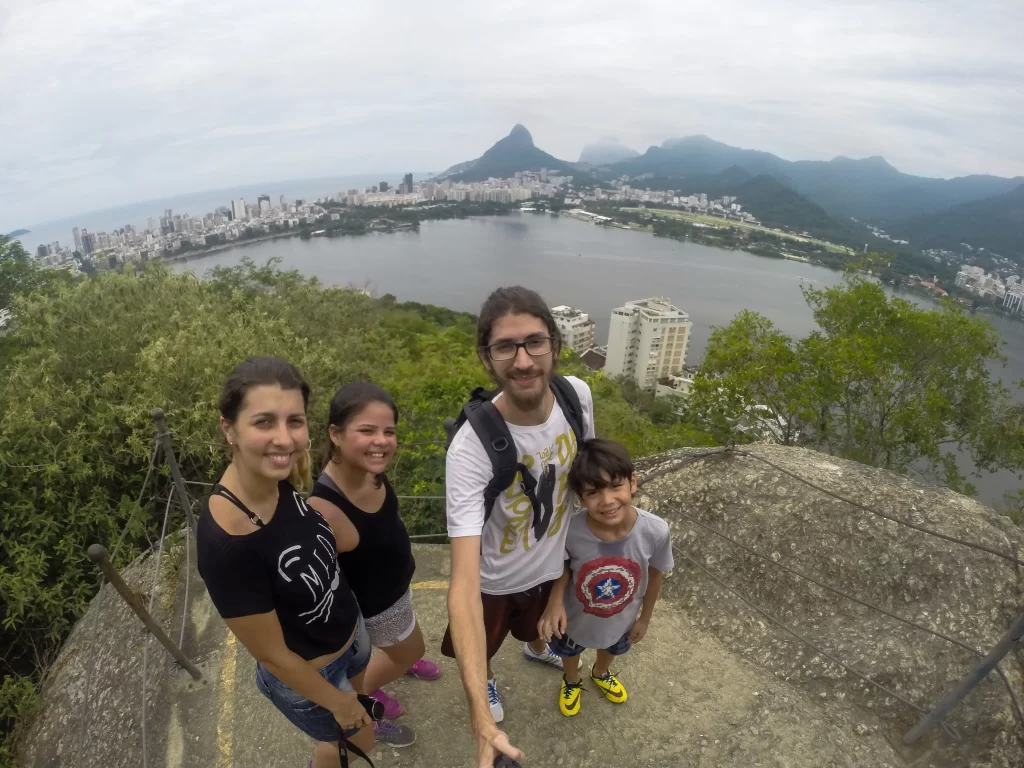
x,y
609,578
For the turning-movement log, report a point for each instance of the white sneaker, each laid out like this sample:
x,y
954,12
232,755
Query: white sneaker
x,y
544,657
495,699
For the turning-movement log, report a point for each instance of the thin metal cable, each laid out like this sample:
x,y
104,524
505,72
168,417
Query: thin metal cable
x,y
428,535
90,669
858,505
682,462
980,654
799,637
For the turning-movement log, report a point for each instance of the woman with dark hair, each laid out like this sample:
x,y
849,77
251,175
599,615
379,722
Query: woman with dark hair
x,y
375,553
270,563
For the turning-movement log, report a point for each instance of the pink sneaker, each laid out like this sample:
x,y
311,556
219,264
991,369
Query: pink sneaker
x,y
393,708
424,670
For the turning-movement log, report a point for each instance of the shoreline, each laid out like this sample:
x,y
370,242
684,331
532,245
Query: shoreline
x,y
709,241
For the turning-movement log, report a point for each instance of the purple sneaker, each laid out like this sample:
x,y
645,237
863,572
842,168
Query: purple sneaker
x,y
424,670
393,708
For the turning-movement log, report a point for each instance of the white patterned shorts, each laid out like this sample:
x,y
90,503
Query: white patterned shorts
x,y
392,625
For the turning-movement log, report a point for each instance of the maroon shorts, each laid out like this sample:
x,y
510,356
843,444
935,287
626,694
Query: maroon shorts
x,y
517,613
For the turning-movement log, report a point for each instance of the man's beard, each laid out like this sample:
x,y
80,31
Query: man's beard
x,y
521,401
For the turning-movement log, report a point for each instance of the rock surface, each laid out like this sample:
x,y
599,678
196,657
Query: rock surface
x,y
714,684
970,595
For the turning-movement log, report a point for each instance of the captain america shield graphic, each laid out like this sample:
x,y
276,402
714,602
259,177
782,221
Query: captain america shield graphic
x,y
607,585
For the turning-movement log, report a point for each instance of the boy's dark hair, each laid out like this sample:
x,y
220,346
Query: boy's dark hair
x,y
514,300
599,463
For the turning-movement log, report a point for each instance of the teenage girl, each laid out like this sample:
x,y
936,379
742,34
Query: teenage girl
x,y
375,553
270,563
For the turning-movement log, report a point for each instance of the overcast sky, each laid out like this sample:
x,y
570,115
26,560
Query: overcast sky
x,y
105,102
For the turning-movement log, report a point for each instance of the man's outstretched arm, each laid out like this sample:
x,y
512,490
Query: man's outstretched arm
x,y
466,622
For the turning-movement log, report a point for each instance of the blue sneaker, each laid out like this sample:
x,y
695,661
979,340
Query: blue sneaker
x,y
544,657
495,699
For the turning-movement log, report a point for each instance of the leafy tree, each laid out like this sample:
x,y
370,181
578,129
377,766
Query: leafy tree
x,y
881,381
1012,506
20,274
749,363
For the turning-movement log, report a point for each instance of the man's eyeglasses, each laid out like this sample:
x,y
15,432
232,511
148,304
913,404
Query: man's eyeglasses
x,y
507,350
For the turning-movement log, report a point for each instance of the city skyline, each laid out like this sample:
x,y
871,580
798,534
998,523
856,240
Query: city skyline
x,y
118,106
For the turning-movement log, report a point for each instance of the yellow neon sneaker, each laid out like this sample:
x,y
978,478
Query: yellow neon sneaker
x,y
569,699
610,686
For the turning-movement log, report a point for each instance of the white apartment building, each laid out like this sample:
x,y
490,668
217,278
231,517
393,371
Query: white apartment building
x,y
576,327
647,341
1014,300
238,209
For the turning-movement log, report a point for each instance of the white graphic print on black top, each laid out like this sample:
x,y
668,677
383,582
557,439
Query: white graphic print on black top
x,y
289,566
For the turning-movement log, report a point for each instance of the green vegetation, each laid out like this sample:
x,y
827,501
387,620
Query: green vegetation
x,y
995,223
19,273
891,268
77,388
715,221
882,382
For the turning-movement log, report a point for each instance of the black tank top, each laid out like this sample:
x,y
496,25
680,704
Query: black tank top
x,y
288,565
380,568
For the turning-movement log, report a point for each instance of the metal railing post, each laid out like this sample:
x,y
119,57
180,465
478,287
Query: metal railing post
x,y
98,554
1013,636
164,435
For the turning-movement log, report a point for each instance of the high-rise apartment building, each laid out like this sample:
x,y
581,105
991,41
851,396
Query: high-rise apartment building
x,y
1014,300
263,201
647,341
407,183
78,239
238,209
384,187
576,327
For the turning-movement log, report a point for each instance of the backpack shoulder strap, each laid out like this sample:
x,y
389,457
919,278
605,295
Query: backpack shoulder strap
x,y
568,400
496,439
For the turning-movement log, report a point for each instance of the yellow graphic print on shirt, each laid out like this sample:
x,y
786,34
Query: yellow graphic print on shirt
x,y
551,494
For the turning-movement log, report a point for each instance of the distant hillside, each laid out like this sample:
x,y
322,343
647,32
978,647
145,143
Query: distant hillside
x,y
995,223
869,188
605,152
18,232
515,152
773,203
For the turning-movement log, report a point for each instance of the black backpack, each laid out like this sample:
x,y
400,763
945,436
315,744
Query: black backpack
x,y
490,427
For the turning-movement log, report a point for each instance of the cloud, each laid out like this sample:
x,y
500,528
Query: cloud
x,y
114,101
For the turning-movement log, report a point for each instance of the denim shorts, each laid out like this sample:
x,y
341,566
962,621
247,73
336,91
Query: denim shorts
x,y
564,646
310,718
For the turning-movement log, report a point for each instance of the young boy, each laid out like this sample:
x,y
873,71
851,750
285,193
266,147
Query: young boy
x,y
615,556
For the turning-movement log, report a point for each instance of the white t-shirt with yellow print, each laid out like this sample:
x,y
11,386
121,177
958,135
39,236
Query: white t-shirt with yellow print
x,y
519,548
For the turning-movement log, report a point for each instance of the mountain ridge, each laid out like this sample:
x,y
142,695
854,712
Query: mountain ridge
x,y
995,223
516,152
870,188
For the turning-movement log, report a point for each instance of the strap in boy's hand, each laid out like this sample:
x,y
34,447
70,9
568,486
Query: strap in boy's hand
x,y
553,622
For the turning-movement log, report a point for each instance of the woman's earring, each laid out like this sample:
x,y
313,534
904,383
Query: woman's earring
x,y
309,445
